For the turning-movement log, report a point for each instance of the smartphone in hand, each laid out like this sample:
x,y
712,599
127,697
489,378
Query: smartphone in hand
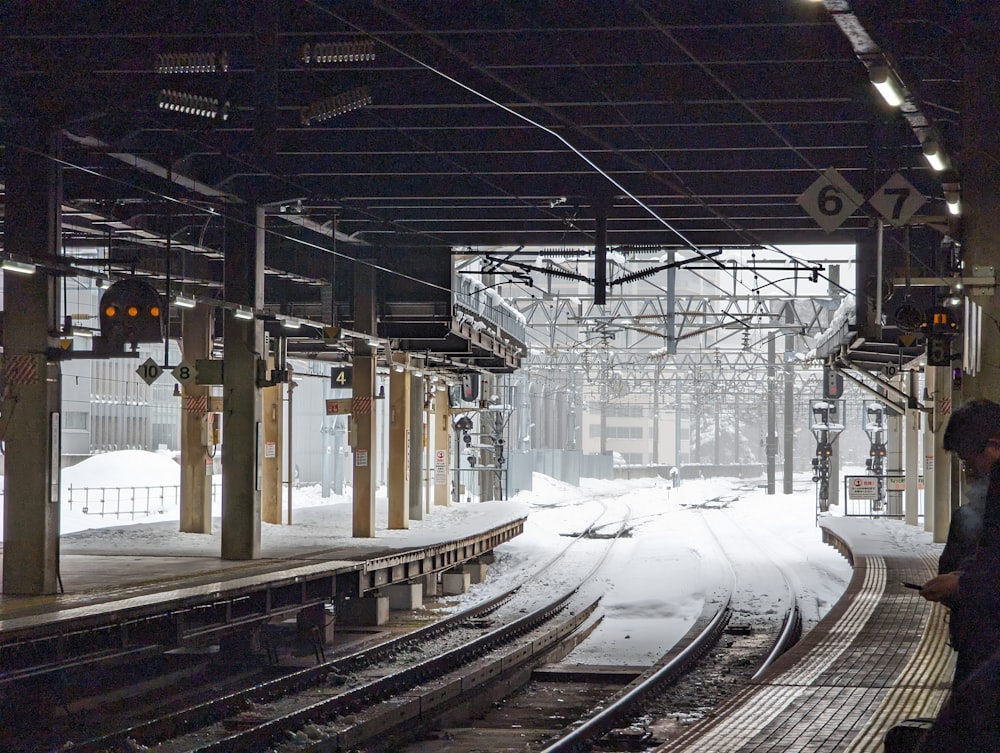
x,y
914,586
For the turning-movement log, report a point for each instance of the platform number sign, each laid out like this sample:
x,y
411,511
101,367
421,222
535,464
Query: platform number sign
x,y
341,377
938,351
149,371
830,200
184,373
897,200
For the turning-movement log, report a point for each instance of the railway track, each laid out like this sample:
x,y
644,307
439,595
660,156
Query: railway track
x,y
605,711
181,710
416,692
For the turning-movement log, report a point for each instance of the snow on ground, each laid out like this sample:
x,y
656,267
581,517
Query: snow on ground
x,y
657,579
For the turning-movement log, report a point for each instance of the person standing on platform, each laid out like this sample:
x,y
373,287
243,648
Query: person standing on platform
x,y
970,720
973,433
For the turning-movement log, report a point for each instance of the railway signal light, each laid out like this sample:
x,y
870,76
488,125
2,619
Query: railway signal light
x,y
131,312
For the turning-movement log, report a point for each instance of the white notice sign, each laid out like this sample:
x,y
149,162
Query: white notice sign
x,y
440,467
862,487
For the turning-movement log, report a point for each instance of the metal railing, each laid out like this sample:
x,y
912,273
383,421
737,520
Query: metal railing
x,y
123,501
474,298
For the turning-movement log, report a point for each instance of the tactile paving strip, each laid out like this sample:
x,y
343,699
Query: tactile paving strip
x,y
879,657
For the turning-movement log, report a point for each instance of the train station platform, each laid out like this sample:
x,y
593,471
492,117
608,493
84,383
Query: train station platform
x,y
878,657
128,591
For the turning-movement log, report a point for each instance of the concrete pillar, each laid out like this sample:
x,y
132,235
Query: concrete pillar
x,y
399,450
442,447
928,445
942,458
405,595
788,414
196,460
242,430
416,447
363,444
432,586
912,442
32,453
315,620
894,452
241,646
363,611
363,393
455,582
981,181
272,413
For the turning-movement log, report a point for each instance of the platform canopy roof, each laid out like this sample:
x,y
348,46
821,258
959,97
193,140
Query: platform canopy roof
x,y
476,125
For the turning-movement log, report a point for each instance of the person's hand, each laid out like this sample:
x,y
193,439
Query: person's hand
x,y
941,587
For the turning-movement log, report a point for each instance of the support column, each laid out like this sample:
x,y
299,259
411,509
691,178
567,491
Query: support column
x,y
981,182
33,386
363,415
942,458
442,447
789,411
894,451
273,416
929,450
196,462
242,429
399,450
771,442
416,446
910,503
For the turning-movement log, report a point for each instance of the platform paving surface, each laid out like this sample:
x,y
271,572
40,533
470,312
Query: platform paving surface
x,y
879,656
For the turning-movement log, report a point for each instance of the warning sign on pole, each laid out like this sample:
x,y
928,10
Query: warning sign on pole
x,y
337,407
862,487
440,467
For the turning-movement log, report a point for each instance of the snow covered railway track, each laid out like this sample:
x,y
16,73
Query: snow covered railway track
x,y
239,709
331,712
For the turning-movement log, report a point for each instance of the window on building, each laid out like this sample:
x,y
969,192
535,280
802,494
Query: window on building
x,y
76,420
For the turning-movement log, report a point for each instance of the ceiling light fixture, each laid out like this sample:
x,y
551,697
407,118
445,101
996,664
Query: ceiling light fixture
x,y
338,104
192,62
22,268
935,155
290,322
887,84
182,302
954,202
242,313
193,104
353,51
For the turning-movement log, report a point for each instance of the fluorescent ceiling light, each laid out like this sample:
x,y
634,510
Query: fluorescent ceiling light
x,y
22,268
886,84
934,155
184,303
290,322
243,314
954,202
